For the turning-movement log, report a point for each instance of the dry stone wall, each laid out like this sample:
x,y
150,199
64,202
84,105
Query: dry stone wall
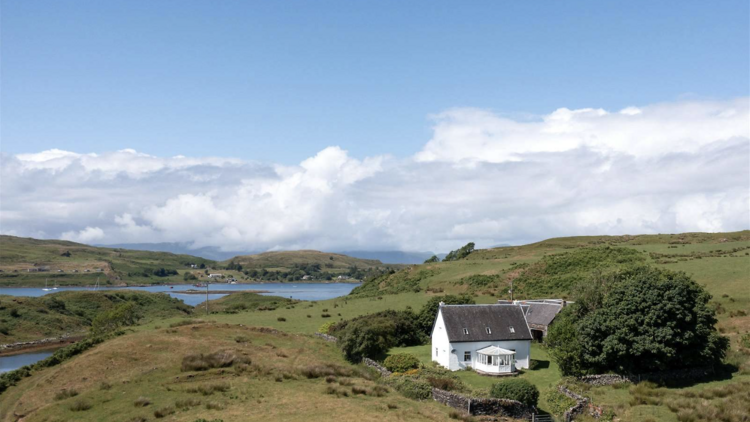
x,y
482,406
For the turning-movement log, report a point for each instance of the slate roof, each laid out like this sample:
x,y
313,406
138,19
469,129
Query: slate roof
x,y
542,313
477,318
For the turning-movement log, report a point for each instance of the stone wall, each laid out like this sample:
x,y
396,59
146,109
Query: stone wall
x,y
482,406
578,408
372,364
327,337
676,374
25,344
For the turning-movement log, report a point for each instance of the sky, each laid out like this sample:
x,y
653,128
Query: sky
x,y
372,125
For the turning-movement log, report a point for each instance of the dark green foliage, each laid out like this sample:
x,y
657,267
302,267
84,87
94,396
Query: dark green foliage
x,y
642,319
162,272
477,281
234,266
123,315
411,388
401,362
460,253
428,313
564,345
432,259
372,335
652,320
516,389
392,282
189,276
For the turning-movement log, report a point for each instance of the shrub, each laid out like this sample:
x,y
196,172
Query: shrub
x,y
142,402
80,406
281,319
325,315
65,394
201,362
105,386
208,389
401,362
326,327
516,389
447,384
360,390
164,411
745,340
373,335
214,406
187,403
413,389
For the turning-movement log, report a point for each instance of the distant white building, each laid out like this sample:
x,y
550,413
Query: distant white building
x,y
342,277
214,276
491,339
306,277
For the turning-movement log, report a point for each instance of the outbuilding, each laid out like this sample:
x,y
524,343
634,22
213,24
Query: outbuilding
x,y
491,339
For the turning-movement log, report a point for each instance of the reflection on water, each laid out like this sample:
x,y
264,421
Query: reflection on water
x,y
9,363
301,291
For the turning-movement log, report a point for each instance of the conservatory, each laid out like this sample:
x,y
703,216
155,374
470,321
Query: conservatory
x,y
495,360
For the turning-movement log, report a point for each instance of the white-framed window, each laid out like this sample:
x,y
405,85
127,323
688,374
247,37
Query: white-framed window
x,y
488,330
467,356
512,330
466,331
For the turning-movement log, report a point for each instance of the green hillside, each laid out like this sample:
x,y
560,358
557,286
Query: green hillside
x,y
75,264
71,312
211,372
316,265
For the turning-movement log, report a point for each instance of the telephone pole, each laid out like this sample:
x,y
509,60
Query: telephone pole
x,y
206,297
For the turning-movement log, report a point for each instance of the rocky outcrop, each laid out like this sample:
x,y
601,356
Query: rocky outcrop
x,y
327,337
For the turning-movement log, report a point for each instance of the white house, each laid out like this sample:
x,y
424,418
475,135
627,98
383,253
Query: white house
x,y
491,339
214,276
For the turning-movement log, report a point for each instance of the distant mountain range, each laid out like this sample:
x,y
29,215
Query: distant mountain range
x,y
214,253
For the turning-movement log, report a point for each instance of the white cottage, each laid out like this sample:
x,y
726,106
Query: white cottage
x,y
491,339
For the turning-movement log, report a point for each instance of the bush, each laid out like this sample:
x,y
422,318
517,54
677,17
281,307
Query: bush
x,y
516,389
401,362
141,402
373,335
201,362
281,319
164,411
64,394
413,389
80,406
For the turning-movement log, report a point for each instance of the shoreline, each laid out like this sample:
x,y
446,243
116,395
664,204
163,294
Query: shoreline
x,y
125,286
38,345
214,292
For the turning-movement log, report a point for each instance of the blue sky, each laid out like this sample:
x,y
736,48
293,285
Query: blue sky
x,y
280,81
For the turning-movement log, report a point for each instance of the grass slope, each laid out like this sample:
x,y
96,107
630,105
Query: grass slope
x,y
286,260
71,312
238,302
274,376
110,266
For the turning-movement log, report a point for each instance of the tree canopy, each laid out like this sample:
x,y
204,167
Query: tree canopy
x,y
460,253
637,320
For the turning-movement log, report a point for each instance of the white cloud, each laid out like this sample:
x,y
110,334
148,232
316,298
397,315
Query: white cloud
x,y
673,167
479,135
87,235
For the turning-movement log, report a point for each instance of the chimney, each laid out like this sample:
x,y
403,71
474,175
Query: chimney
x,y
564,302
442,303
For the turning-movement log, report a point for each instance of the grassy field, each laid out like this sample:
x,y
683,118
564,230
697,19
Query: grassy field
x,y
71,312
720,262
272,376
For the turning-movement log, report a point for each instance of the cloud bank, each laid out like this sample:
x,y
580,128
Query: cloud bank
x,y
483,177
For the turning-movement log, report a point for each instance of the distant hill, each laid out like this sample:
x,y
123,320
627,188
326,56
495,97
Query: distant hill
x,y
392,257
207,252
212,252
286,260
29,262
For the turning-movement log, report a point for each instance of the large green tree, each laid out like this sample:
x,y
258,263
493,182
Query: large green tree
x,y
642,319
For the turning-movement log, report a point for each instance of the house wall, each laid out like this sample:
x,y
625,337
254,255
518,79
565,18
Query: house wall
x,y
522,348
441,343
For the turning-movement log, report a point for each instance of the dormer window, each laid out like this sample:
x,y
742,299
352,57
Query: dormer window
x,y
488,330
512,330
466,331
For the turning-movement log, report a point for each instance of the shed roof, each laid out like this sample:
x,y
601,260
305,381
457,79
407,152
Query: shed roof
x,y
542,313
484,323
